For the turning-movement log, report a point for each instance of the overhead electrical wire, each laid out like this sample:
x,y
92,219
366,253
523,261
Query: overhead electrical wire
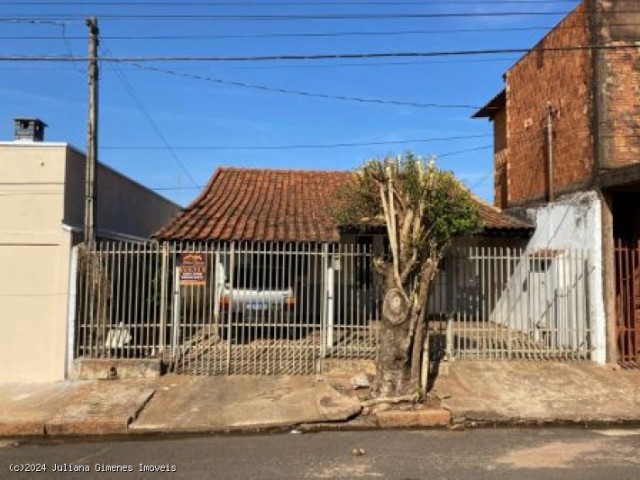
x,y
316,56
136,99
307,34
297,146
182,187
525,135
286,35
366,3
301,93
297,17
310,34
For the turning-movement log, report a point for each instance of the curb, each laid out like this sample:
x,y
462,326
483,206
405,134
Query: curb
x,y
22,429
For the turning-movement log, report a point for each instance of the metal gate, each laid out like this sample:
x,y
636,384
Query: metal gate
x,y
627,260
232,308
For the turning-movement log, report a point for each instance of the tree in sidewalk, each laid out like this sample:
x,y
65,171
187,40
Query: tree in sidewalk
x,y
423,209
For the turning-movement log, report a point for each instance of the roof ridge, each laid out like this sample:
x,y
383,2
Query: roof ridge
x,y
482,201
280,170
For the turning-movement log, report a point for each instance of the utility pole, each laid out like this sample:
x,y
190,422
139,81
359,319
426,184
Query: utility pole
x,y
550,113
92,137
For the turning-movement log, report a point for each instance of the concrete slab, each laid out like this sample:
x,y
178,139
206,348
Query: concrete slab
x,y
101,408
25,408
539,392
237,403
422,418
115,368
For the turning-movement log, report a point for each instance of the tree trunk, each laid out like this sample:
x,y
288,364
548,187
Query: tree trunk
x,y
393,363
417,352
399,360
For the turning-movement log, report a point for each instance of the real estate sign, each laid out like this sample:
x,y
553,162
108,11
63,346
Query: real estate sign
x,y
193,268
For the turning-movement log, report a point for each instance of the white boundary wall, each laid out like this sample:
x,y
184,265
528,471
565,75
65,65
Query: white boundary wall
x,y
575,221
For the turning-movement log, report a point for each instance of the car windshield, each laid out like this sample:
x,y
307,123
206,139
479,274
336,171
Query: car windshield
x,y
258,271
260,279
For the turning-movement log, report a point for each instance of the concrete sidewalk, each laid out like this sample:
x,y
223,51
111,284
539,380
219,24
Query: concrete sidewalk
x,y
242,403
72,408
170,404
473,393
539,393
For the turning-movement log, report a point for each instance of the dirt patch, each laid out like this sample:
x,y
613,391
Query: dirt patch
x,y
346,470
552,455
9,443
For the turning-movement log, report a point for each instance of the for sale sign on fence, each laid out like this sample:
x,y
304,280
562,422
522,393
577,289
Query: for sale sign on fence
x,y
193,268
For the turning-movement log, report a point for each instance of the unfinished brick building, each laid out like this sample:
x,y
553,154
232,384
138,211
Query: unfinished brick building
x,y
567,136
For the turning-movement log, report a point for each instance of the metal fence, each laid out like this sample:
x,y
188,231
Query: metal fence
x,y
506,303
264,308
627,265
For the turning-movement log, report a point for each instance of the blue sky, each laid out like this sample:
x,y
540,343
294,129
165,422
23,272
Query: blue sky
x,y
208,124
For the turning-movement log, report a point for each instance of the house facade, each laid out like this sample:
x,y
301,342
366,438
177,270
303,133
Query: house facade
x,y
256,277
567,155
42,211
270,218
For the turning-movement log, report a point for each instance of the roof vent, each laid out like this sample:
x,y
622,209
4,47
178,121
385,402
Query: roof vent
x,y
29,129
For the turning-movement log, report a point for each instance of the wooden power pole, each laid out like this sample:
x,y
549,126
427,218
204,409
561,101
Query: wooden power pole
x,y
92,137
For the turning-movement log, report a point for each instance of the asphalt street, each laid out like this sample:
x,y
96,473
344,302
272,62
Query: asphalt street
x,y
549,453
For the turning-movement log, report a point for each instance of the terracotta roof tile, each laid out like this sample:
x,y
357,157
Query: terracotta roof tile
x,y
276,205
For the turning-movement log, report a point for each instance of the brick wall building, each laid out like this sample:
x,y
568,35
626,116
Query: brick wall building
x,y
567,137
594,96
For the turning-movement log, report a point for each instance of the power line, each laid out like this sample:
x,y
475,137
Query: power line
x,y
479,182
298,17
524,135
181,187
317,34
374,64
466,150
319,56
289,66
297,146
136,99
295,35
300,92
291,4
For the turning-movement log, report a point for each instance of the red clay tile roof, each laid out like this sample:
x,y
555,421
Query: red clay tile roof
x,y
494,219
261,205
275,205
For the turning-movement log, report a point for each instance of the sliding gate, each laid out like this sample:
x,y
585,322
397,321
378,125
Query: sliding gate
x,y
235,308
627,264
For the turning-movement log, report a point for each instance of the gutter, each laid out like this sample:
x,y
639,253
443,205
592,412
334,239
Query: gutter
x,y
107,234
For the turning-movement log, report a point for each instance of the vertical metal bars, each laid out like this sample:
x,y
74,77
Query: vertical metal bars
x,y
287,308
521,305
627,264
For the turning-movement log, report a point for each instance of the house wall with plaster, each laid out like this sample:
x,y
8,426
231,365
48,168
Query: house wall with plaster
x,y
575,222
42,208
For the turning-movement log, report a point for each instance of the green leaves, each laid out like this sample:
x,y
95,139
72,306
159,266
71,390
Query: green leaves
x,y
444,207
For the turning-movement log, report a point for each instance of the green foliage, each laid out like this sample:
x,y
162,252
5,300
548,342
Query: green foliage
x,y
447,207
451,210
418,394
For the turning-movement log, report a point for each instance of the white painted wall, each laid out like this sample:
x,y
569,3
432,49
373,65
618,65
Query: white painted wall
x,y
41,197
575,222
